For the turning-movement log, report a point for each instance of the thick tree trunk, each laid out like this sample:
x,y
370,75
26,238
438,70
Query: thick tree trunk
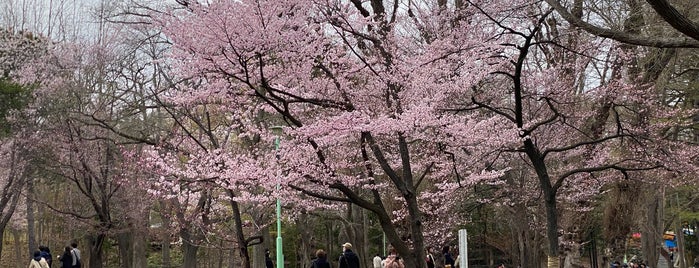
x,y
125,240
359,231
2,231
140,246
95,259
616,225
550,202
653,227
680,258
527,241
304,248
417,255
258,251
551,224
18,248
9,196
239,233
189,250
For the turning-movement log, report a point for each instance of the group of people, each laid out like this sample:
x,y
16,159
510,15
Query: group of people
x,y
632,264
70,258
349,259
391,261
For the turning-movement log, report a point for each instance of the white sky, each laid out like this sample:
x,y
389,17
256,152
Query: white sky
x,y
58,19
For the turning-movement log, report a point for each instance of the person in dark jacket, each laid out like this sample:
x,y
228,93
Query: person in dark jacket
x,y
268,260
46,254
448,259
321,260
348,259
67,258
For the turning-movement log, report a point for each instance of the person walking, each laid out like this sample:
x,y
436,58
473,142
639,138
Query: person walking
x,y
66,258
46,254
377,261
448,259
268,260
348,259
76,255
37,261
429,259
321,260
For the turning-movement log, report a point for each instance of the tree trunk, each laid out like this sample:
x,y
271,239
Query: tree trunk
x,y
552,229
231,261
9,197
165,244
616,225
31,235
527,241
240,234
653,227
357,225
680,258
125,240
95,259
189,250
139,247
258,251
304,248
18,252
417,255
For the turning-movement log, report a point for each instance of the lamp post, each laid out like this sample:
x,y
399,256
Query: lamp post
x,y
279,254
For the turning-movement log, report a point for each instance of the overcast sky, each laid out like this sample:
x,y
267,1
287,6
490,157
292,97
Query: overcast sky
x,y
59,19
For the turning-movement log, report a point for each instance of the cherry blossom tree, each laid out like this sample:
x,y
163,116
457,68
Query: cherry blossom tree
x,y
16,49
639,24
361,90
582,122
74,93
12,172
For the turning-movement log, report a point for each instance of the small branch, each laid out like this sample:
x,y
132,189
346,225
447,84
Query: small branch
x,y
319,195
576,145
623,170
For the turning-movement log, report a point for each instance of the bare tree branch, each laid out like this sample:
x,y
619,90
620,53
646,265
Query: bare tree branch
x,y
622,36
678,21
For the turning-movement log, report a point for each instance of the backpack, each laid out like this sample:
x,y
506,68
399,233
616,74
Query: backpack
x,y
47,257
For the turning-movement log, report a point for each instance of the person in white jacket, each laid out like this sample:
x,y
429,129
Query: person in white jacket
x,y
38,261
377,261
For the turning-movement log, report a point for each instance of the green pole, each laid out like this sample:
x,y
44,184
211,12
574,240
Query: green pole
x,y
384,244
280,256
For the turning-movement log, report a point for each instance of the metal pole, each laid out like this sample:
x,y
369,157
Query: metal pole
x,y
384,244
463,248
280,255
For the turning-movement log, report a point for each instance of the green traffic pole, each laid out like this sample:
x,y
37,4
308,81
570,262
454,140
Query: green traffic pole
x,y
280,256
